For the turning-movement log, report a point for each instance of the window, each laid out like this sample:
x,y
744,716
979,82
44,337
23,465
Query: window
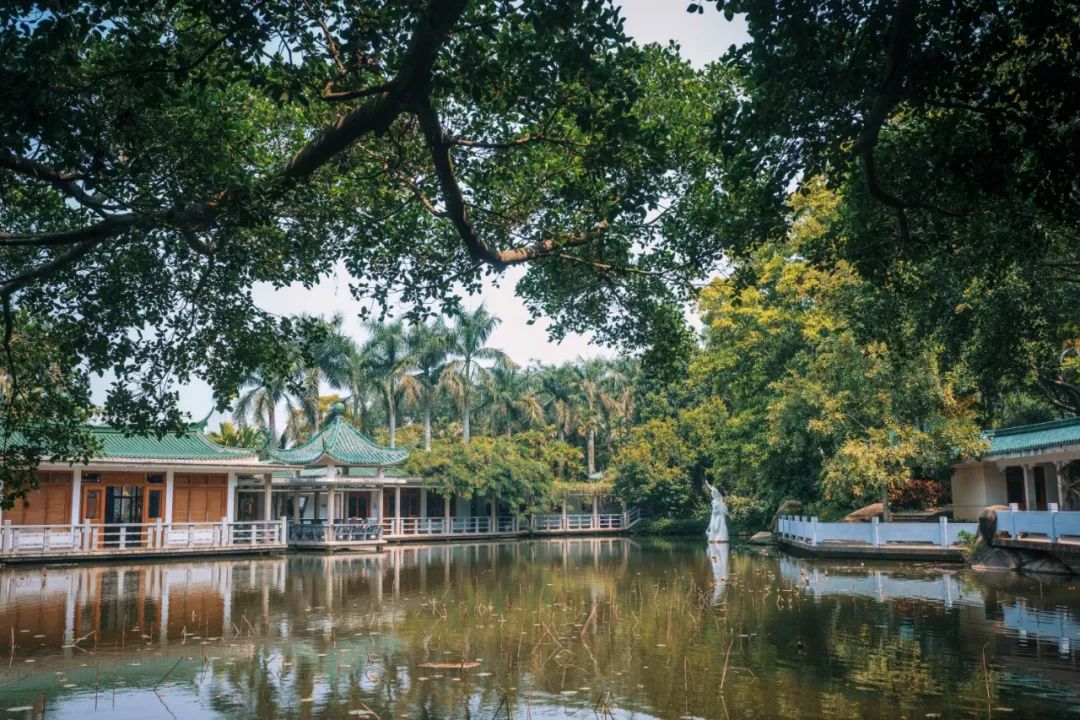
x,y
155,479
90,512
153,505
91,477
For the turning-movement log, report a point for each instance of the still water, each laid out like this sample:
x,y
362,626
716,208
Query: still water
x,y
589,628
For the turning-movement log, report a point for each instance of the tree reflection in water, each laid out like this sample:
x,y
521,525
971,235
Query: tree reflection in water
x,y
613,626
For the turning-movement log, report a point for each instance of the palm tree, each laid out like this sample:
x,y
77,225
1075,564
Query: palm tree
x,y
258,405
388,355
591,380
466,344
361,384
510,399
429,346
229,435
299,388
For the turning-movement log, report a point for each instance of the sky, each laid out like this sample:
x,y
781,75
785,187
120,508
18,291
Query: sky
x,y
702,39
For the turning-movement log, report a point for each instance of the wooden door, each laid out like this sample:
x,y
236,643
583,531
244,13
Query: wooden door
x,y
50,504
199,498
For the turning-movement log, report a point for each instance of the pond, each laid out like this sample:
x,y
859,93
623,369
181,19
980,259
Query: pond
x,y
612,627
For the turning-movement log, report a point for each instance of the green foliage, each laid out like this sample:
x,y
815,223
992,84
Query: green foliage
x,y
652,470
158,159
229,435
485,467
968,541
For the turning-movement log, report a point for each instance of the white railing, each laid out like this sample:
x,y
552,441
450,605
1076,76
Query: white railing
x,y
579,521
470,525
1051,524
610,521
103,539
874,533
549,521
632,516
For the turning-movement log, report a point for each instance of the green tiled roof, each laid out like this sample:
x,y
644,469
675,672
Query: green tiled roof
x,y
192,445
354,472
341,443
1029,438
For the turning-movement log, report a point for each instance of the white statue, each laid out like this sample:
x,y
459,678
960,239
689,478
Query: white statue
x,y
717,531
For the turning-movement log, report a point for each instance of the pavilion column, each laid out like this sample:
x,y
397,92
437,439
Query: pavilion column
x,y
596,512
230,499
1061,472
330,511
1029,487
268,497
446,513
423,503
170,483
76,495
494,512
397,510
380,512
296,505
564,525
316,501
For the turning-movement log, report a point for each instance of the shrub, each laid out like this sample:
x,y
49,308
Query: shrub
x,y
919,494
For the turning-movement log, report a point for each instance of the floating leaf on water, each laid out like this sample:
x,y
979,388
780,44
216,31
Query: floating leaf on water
x,y
21,708
307,699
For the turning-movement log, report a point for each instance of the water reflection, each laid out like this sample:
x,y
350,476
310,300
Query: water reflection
x,y
610,626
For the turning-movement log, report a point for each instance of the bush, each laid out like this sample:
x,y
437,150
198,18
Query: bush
x,y
919,495
967,542
671,526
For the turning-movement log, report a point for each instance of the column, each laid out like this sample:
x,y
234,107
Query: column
x,y
596,512
330,503
563,514
268,497
446,513
170,476
494,512
379,512
316,502
1029,487
296,505
373,505
397,511
1061,472
76,495
423,502
230,498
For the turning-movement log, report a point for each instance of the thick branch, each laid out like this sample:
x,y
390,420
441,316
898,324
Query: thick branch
x,y
64,182
901,32
456,207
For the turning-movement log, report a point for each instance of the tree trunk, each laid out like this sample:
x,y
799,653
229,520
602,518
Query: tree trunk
x,y
392,412
885,515
465,419
592,451
271,424
561,435
427,426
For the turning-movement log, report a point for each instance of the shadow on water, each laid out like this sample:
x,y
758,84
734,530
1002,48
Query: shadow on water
x,y
610,627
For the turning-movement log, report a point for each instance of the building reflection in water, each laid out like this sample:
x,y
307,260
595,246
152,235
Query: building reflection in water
x,y
314,635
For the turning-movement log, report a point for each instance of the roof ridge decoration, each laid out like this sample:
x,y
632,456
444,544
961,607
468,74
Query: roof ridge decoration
x,y
339,442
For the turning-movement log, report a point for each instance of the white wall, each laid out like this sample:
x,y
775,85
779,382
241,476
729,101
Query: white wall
x,y
976,487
